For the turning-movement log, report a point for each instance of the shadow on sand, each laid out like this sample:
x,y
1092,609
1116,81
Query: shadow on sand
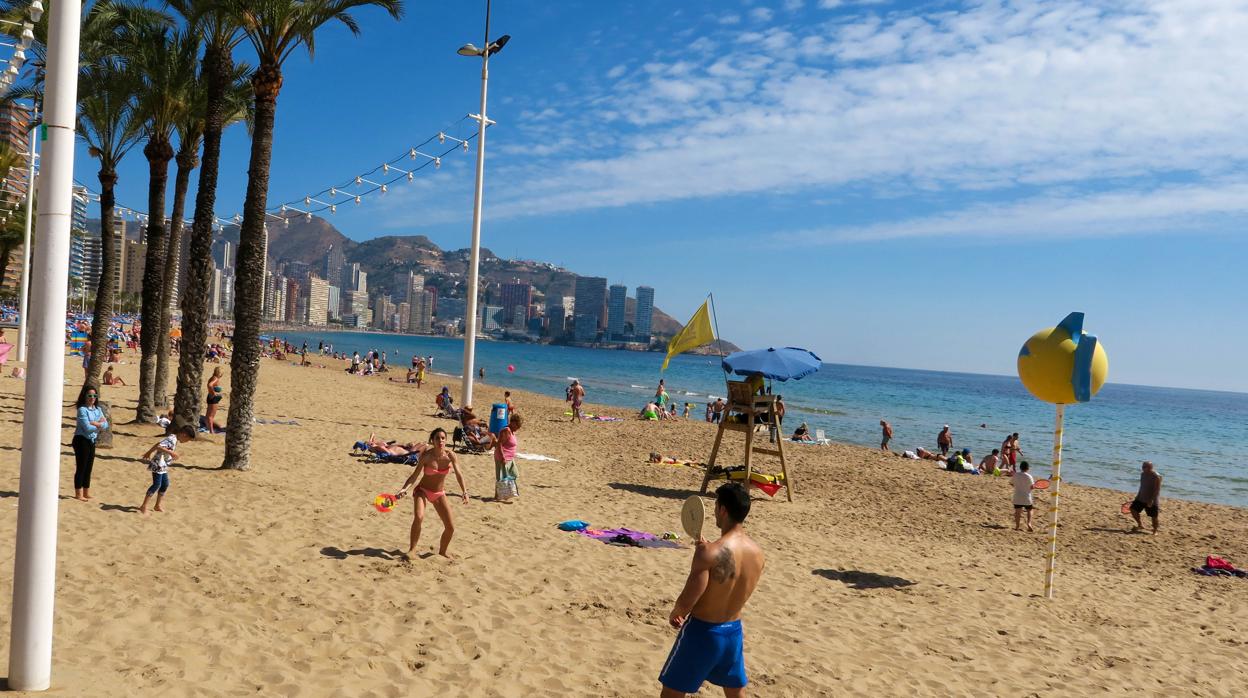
x,y
857,579
650,491
340,554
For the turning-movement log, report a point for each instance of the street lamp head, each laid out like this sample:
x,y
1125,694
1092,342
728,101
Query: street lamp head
x,y
36,10
469,50
498,44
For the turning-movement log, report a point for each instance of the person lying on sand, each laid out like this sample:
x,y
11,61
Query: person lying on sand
x,y
710,645
429,477
392,448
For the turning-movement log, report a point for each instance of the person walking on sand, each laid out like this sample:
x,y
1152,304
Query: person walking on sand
x,y
1147,499
429,478
886,434
158,466
505,457
944,440
213,399
576,393
90,421
1023,484
710,645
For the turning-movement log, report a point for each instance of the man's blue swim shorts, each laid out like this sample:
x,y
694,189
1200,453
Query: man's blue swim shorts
x,y
705,652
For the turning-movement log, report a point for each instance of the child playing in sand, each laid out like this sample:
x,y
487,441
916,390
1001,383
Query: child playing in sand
x,y
159,466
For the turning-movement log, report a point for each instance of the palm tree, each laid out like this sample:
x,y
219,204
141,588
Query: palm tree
x,y
275,28
107,121
191,128
166,64
217,23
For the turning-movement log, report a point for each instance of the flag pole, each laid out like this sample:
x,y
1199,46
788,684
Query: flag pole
x,y
715,320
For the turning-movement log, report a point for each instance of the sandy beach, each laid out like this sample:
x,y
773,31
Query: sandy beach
x,y
884,576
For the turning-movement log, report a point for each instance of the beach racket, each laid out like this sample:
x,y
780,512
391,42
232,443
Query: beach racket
x,y
1126,507
1040,485
692,516
384,503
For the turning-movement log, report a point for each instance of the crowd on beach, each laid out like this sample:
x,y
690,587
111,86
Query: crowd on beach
x,y
724,572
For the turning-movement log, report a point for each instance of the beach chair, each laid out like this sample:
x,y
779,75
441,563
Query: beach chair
x,y
744,413
461,442
821,437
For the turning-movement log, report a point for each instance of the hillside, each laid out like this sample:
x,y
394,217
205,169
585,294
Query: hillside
x,y
389,258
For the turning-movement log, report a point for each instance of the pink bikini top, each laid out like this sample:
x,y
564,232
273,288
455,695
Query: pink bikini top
x,y
433,470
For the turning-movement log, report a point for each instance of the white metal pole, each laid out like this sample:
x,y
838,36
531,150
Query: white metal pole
x,y
470,314
34,566
24,298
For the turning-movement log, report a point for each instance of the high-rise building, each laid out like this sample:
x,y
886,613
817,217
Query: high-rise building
x,y
354,303
516,295
591,302
93,257
334,264
492,318
135,255
643,315
555,314
318,300
415,294
404,314
422,313
355,278
224,254
214,297
294,290
618,297
15,133
335,303
383,312
77,242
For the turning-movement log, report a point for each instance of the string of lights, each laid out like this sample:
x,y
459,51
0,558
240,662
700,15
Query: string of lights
x,y
354,190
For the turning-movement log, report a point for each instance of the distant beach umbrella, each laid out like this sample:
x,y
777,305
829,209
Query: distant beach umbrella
x,y
777,364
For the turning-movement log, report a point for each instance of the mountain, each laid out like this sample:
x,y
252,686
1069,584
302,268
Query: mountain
x,y
388,259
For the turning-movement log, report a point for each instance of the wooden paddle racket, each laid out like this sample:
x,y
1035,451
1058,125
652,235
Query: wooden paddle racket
x,y
693,516
1040,485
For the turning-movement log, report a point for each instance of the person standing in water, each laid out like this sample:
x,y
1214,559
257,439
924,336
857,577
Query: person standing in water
x,y
710,645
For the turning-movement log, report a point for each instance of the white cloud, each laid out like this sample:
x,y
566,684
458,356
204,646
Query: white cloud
x,y
792,5
998,97
617,71
761,14
729,19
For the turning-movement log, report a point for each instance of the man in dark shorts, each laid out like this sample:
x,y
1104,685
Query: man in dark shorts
x,y
944,440
886,436
710,645
1149,496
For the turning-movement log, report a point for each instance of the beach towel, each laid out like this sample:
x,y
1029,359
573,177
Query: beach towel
x,y
572,525
1219,567
535,456
627,537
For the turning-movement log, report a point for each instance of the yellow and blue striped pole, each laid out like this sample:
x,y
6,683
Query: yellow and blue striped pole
x,y
1055,499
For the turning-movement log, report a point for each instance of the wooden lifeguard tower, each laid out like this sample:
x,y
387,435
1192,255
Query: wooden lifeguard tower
x,y
745,408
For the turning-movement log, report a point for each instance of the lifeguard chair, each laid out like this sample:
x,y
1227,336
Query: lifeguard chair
x,y
746,411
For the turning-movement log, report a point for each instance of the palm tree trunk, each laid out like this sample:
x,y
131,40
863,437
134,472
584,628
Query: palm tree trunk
x,y
158,152
216,67
249,273
186,161
107,288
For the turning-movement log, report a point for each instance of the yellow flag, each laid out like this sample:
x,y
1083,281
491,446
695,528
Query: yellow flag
x,y
695,333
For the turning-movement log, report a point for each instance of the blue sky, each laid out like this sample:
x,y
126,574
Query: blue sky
x,y
903,184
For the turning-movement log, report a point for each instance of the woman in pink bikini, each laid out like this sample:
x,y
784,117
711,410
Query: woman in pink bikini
x,y
429,478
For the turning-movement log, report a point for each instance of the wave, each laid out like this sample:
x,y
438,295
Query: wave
x,y
819,410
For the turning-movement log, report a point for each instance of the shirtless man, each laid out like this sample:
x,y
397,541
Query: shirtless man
x,y
576,393
990,463
717,410
886,436
944,441
710,646
1147,499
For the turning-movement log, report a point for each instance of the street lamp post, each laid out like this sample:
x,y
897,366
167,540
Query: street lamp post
x,y
474,260
34,559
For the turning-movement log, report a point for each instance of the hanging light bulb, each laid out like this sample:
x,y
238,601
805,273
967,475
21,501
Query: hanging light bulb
x,y
286,222
383,189
333,191
437,163
441,137
357,201
357,181
410,176
465,146
412,153
307,217
385,167
333,209
19,55
307,200
35,10
283,211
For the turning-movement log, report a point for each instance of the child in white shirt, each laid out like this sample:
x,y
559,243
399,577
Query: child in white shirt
x,y
158,466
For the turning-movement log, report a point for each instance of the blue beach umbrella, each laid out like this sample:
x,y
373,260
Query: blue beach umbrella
x,y
776,364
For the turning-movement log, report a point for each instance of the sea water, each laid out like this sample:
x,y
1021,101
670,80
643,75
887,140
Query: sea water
x,y
1196,438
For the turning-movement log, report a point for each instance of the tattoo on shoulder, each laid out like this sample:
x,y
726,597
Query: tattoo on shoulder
x,y
724,567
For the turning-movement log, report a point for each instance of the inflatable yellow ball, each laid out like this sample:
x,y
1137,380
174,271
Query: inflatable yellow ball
x,y
1054,368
